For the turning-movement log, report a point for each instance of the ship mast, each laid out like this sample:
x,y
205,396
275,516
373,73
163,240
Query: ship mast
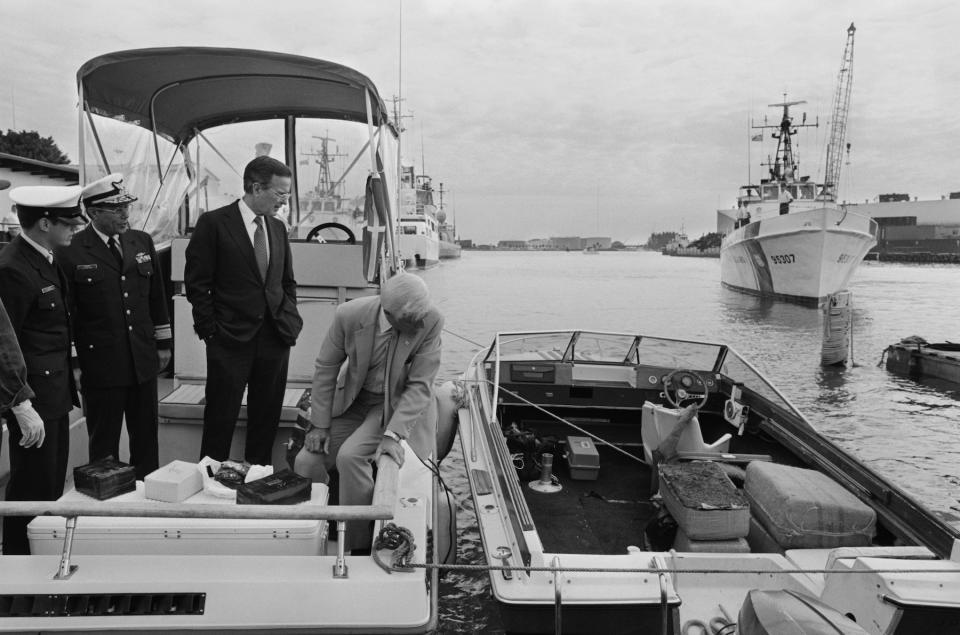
x,y
785,165
838,122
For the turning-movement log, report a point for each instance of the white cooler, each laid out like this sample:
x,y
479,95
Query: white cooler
x,y
101,535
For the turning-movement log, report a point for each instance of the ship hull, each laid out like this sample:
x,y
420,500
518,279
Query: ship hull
x,y
449,250
803,256
419,251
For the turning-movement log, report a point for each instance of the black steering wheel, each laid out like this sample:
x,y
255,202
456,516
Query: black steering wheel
x,y
680,386
348,239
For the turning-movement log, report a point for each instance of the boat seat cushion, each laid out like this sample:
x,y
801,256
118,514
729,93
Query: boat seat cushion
x,y
805,509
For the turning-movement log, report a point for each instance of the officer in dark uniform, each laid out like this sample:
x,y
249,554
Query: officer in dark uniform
x,y
121,327
34,291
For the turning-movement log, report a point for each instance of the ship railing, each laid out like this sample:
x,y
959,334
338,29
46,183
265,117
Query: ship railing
x,y
382,507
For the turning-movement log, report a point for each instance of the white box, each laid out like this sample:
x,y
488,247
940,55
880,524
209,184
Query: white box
x,y
103,535
175,482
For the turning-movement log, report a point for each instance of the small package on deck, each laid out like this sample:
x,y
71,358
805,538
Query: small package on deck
x,y
281,488
704,501
175,482
582,458
806,509
734,545
105,478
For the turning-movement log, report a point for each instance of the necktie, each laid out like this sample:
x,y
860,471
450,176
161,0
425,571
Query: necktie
x,y
260,247
115,250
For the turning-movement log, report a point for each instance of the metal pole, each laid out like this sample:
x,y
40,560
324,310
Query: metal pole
x,y
340,569
557,597
65,570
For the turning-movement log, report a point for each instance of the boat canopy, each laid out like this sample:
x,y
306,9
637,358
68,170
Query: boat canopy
x,y
173,91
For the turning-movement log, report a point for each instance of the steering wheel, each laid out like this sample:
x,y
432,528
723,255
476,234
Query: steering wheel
x,y
678,387
314,233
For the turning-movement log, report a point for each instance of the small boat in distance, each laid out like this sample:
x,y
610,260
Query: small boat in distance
x,y
562,435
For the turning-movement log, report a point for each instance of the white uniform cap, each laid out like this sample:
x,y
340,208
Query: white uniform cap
x,y
107,191
56,202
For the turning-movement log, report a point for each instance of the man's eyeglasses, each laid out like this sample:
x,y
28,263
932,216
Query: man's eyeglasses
x,y
123,210
280,196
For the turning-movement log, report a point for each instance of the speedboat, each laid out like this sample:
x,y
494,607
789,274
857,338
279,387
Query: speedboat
x,y
599,515
181,124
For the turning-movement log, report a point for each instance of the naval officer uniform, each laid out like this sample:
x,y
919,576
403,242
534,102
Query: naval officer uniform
x,y
121,325
33,289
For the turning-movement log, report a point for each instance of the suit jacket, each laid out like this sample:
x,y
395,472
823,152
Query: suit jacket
x,y
413,367
229,298
35,295
119,316
13,371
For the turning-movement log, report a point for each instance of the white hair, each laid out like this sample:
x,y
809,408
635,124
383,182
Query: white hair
x,y
405,296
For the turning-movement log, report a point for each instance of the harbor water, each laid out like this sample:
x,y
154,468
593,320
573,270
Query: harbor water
x,y
907,431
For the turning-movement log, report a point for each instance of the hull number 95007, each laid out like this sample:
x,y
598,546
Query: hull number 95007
x,y
783,259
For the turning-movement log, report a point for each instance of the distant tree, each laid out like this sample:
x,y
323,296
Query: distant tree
x,y
30,145
617,245
713,239
660,240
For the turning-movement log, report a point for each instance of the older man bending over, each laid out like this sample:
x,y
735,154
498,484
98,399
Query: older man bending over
x,y
386,350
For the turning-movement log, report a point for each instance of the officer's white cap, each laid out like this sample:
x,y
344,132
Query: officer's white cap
x,y
56,202
107,191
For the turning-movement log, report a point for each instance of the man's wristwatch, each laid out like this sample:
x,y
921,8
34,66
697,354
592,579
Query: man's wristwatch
x,y
393,435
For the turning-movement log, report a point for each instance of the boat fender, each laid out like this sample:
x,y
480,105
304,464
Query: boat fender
x,y
448,396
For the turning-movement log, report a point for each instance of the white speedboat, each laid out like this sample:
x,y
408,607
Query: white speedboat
x,y
135,565
790,239
419,227
759,516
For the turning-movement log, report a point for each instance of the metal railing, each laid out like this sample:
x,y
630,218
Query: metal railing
x,y
382,508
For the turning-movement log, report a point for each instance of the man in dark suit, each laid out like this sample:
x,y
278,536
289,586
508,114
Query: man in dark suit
x,y
239,279
120,323
34,291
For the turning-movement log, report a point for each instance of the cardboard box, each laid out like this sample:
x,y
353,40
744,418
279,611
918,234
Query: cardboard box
x,y
582,458
704,501
175,482
104,478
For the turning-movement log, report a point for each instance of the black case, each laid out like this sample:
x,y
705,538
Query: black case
x,y
105,478
280,488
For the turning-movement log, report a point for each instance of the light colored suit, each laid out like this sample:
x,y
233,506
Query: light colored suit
x,y
408,409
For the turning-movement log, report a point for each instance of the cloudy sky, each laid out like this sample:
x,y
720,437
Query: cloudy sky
x,y
546,118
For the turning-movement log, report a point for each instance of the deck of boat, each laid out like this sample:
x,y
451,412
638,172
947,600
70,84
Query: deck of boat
x,y
601,516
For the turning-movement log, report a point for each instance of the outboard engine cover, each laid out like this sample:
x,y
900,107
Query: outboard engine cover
x,y
791,613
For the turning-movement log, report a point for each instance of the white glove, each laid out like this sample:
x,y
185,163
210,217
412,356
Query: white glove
x,y
31,425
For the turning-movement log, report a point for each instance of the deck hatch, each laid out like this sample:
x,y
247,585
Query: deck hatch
x,y
101,604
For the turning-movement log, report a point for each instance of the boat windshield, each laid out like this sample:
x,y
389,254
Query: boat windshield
x,y
739,370
616,348
117,145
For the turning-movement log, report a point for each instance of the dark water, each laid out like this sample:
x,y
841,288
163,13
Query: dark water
x,y
905,430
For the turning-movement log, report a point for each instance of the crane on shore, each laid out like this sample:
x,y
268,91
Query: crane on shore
x,y
838,120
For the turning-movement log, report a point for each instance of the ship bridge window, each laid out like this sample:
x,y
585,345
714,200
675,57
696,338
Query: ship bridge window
x,y
808,191
407,229
770,192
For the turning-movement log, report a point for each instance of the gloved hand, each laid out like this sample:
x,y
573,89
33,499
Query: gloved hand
x,y
31,425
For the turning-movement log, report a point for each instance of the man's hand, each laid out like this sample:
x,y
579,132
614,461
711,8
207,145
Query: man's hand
x,y
164,354
392,448
317,440
76,376
31,426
